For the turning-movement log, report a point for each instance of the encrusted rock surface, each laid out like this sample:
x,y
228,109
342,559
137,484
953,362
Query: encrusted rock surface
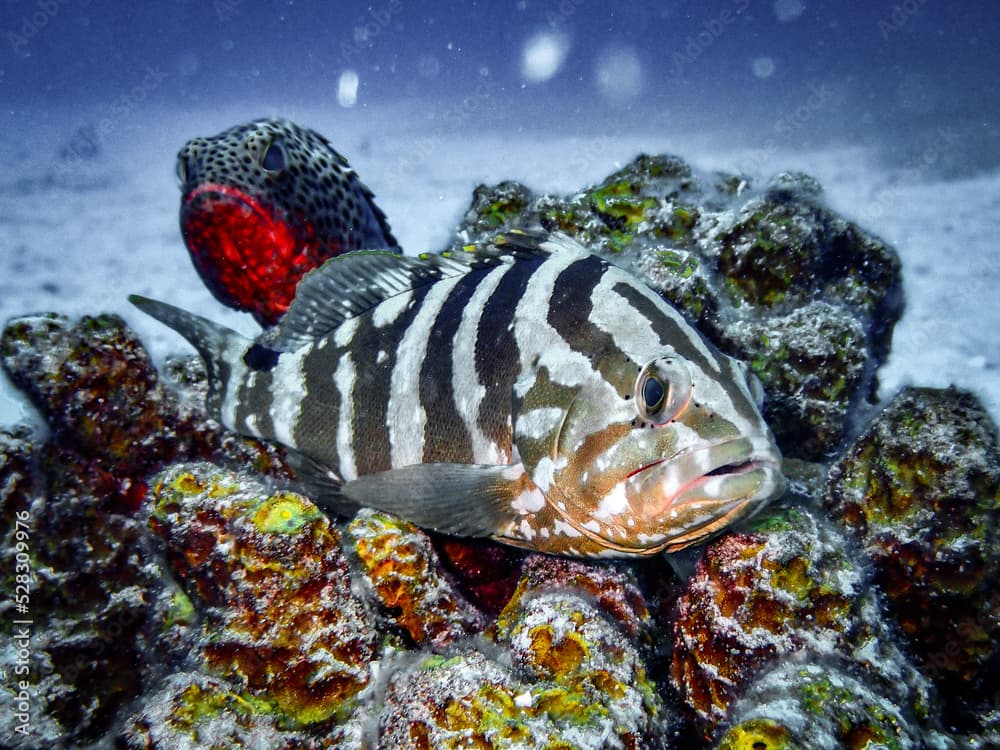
x,y
771,275
920,491
182,595
786,590
266,572
403,575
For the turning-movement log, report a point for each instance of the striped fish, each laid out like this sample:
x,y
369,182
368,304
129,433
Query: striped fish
x,y
530,392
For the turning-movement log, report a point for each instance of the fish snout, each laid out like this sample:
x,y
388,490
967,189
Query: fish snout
x,y
700,491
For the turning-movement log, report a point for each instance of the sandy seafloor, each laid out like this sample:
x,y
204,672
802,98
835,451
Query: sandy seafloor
x,y
78,238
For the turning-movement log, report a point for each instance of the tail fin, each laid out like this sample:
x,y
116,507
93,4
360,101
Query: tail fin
x,y
220,348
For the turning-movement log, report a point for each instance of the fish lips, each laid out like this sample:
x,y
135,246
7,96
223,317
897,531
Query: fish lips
x,y
698,492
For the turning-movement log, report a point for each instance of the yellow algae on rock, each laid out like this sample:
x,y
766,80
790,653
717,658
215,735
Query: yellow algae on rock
x,y
402,572
267,574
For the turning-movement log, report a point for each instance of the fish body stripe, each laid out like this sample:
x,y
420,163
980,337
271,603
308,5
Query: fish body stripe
x,y
497,358
253,411
570,307
406,416
469,391
447,436
373,386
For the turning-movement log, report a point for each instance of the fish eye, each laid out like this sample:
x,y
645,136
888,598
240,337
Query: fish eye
x,y
653,394
274,157
663,390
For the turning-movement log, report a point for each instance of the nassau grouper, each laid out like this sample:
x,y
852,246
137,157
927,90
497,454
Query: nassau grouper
x,y
265,202
530,392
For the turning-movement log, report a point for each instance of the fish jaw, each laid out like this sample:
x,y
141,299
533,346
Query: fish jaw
x,y
241,247
678,501
685,499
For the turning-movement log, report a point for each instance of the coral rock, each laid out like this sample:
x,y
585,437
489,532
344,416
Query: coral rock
x,y
267,574
404,576
192,707
920,490
112,420
784,589
803,706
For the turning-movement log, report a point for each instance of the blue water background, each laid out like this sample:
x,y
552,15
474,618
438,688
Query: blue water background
x,y
889,74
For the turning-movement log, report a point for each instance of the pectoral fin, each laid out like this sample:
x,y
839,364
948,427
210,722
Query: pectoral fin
x,y
463,499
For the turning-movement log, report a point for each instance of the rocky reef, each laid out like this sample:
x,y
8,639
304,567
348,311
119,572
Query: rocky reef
x,y
177,592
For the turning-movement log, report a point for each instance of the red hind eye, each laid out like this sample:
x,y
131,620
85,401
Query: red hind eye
x,y
274,158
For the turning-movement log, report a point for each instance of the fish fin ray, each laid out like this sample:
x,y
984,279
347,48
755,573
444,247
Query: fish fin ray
x,y
345,287
321,484
462,499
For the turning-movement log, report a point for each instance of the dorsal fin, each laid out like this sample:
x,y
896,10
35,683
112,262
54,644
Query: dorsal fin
x,y
352,284
348,286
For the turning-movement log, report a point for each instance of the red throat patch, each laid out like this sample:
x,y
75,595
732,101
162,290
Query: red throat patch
x,y
250,256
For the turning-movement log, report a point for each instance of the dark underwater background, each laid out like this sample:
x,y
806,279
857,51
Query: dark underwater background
x,y
893,106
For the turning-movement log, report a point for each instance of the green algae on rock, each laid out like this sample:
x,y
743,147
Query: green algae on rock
x,y
566,668
798,706
741,263
920,491
191,707
266,573
575,684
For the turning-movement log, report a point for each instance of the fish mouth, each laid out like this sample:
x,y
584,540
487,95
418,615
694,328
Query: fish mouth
x,y
693,494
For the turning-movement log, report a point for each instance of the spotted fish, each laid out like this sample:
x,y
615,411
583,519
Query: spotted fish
x,y
265,202
530,392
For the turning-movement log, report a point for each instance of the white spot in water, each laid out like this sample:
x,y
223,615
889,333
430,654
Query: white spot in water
x,y
381,357
543,56
788,10
347,89
619,74
764,67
